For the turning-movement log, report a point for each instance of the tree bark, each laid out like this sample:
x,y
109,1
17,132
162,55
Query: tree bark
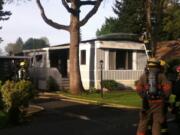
x,y
75,76
149,24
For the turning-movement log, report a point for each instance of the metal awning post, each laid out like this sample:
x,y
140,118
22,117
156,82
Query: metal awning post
x,y
101,79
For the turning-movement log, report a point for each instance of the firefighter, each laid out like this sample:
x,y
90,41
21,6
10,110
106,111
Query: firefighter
x,y
176,92
164,125
154,88
22,72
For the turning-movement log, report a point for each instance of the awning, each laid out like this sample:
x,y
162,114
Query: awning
x,y
120,45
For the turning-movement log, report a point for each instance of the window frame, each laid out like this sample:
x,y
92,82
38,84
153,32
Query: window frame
x,y
116,54
83,57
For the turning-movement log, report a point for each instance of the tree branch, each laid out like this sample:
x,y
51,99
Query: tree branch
x,y
87,3
64,2
49,21
91,12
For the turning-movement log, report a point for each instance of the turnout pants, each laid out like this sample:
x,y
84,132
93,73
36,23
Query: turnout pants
x,y
156,112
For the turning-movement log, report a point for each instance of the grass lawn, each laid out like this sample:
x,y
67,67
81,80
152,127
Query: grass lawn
x,y
129,98
3,119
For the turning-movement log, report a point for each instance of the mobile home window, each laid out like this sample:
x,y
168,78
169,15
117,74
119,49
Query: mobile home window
x,y
120,59
83,57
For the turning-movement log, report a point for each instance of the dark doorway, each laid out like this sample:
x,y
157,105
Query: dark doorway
x,y
58,59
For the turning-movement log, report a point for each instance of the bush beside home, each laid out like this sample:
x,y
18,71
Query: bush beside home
x,y
113,85
52,85
3,119
1,102
15,96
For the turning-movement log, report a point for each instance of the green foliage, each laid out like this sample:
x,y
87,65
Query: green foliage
x,y
16,96
172,64
171,69
0,85
171,22
35,43
1,102
52,84
14,48
3,119
19,45
110,25
110,84
4,15
130,18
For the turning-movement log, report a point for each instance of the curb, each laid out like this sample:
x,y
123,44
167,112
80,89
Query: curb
x,y
86,101
33,109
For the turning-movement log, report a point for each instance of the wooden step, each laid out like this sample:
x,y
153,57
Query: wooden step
x,y
65,83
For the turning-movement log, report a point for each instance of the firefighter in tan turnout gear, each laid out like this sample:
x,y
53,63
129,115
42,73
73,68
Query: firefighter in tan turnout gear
x,y
22,72
154,89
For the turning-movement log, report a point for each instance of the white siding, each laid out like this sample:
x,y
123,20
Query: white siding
x,y
134,60
141,60
87,70
106,63
126,77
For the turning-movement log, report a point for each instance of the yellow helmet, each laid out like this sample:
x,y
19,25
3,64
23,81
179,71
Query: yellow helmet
x,y
22,63
162,63
153,62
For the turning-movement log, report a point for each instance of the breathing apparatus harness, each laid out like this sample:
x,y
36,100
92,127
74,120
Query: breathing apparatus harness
x,y
153,90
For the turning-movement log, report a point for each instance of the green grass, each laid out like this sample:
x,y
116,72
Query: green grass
x,y
128,98
3,119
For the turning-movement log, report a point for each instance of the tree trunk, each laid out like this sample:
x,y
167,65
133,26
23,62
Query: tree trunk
x,y
75,77
151,18
148,23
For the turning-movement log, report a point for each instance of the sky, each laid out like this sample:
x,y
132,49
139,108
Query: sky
x,y
26,22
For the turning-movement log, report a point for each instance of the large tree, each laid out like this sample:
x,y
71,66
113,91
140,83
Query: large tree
x,y
131,18
156,13
33,43
171,21
73,7
1,52
14,48
4,15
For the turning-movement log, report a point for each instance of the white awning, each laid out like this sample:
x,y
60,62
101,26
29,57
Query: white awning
x,y
121,45
59,47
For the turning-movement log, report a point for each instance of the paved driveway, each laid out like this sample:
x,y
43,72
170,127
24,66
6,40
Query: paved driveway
x,y
69,118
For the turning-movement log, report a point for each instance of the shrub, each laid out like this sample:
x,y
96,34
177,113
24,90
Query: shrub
x,y
52,84
91,90
110,84
0,84
1,102
16,96
3,119
172,63
171,68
